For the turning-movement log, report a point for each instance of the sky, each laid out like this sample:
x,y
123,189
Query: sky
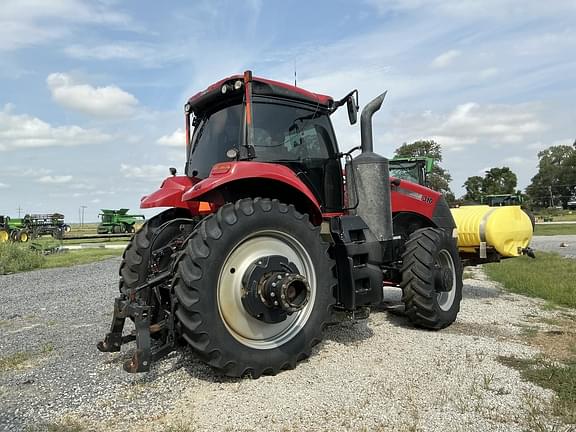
x,y
92,91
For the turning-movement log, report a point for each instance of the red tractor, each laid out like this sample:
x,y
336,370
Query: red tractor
x,y
267,239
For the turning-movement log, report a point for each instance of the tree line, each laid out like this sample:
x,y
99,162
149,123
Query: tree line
x,y
553,185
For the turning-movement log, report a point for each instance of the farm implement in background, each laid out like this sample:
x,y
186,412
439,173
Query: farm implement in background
x,y
32,226
117,221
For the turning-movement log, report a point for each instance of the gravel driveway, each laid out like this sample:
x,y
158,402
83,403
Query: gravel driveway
x,y
563,244
378,374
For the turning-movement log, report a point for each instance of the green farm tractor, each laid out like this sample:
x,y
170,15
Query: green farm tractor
x,y
13,229
117,221
413,169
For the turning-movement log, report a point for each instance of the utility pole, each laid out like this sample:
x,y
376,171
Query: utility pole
x,y
19,211
83,207
551,197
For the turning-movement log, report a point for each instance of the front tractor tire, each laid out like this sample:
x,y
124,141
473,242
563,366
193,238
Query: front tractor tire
x,y
431,278
212,285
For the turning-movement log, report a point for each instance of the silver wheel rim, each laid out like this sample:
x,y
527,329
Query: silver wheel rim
x,y
445,299
240,324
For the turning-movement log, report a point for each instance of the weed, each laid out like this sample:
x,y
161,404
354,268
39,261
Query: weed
x,y
487,381
14,361
66,424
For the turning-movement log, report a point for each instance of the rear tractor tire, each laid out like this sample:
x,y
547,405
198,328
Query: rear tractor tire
x,y
431,278
225,280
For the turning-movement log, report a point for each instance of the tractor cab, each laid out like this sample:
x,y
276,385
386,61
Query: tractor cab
x,y
279,124
414,169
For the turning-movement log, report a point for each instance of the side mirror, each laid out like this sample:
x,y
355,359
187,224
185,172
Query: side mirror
x,y
173,171
352,107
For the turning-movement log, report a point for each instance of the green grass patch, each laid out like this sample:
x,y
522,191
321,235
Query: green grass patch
x,y
14,361
63,425
82,256
16,257
549,276
561,378
555,229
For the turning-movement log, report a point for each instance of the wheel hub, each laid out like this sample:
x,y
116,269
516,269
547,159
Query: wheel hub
x,y
273,289
443,279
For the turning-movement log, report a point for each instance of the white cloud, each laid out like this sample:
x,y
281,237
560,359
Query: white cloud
x,y
144,171
35,22
500,9
489,73
471,123
176,139
445,59
4,186
55,179
148,55
109,101
18,131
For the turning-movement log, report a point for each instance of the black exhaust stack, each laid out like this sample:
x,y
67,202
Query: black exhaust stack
x,y
370,179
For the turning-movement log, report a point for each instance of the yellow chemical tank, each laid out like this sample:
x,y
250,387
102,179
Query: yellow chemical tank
x,y
507,229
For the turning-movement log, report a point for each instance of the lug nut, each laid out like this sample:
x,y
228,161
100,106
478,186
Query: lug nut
x,y
272,294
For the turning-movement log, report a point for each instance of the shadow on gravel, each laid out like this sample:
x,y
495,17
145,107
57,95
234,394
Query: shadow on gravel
x,y
348,333
478,290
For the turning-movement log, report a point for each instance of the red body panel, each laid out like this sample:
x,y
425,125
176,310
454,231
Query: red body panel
x,y
247,170
170,194
414,198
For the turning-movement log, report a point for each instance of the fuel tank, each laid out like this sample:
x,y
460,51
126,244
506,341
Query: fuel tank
x,y
507,229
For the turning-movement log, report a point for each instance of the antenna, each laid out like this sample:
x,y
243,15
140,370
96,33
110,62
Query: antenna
x,y
295,73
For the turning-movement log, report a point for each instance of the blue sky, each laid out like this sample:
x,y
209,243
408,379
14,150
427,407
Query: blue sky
x,y
91,92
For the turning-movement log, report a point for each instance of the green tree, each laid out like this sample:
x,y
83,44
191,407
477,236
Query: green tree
x,y
439,179
499,181
473,187
556,176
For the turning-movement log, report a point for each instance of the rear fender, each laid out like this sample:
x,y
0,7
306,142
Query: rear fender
x,y
231,181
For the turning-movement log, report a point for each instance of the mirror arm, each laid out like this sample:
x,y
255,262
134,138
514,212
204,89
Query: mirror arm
x,y
342,101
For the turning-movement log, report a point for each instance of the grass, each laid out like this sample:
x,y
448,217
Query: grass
x,y
65,424
561,378
82,256
560,229
14,361
19,257
552,278
16,258
549,276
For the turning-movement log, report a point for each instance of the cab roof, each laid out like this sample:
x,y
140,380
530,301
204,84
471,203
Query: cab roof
x,y
203,100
